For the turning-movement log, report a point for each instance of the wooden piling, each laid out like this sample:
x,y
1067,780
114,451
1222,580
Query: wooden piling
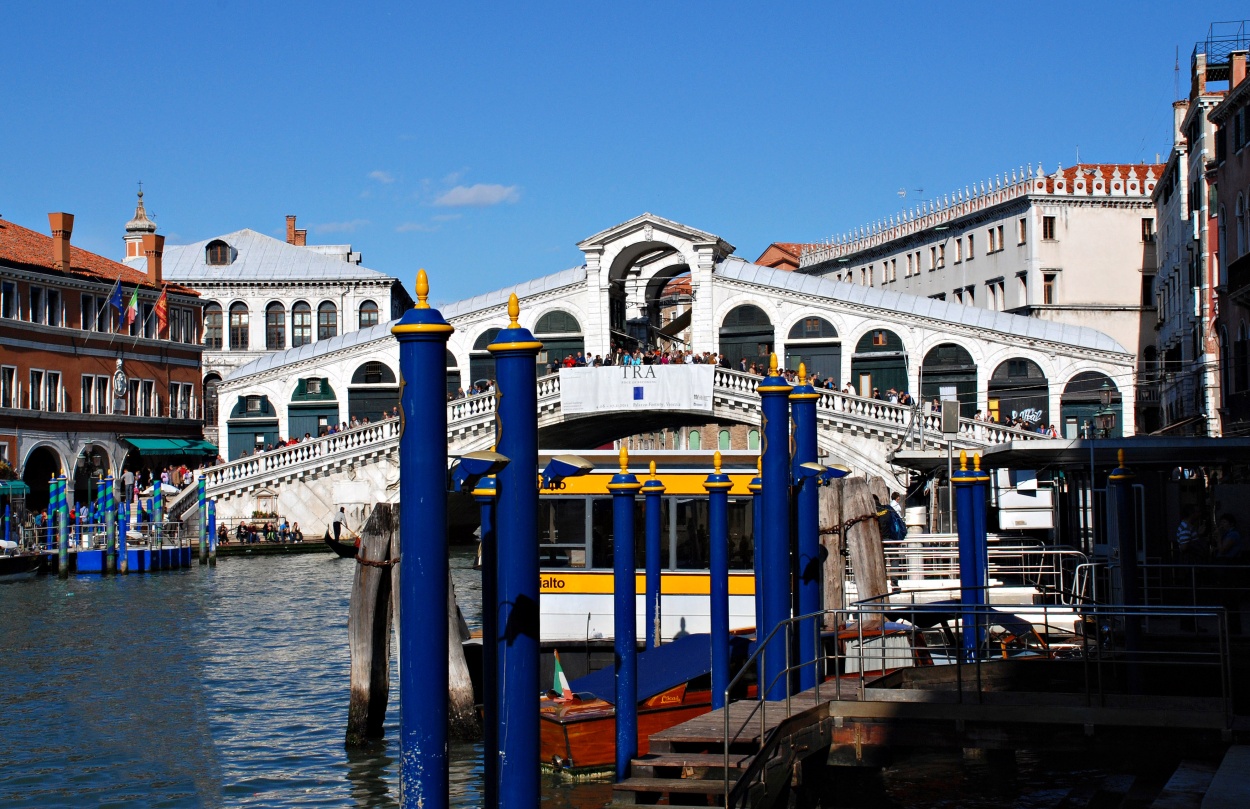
x,y
863,542
462,716
369,625
835,549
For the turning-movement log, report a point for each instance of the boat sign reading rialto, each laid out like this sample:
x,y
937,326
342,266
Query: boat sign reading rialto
x,y
636,387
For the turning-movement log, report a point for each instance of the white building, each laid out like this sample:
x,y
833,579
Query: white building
x,y
263,295
1073,247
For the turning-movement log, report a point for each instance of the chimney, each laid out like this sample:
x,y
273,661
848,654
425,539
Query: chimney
x,y
154,248
290,229
301,238
62,225
1198,83
1237,69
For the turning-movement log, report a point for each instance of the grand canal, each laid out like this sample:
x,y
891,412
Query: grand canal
x,y
228,687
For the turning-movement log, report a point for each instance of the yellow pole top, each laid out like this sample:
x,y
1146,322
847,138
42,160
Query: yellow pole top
x,y
423,290
772,364
976,462
802,373
514,311
1120,457
759,464
716,462
624,449
653,470
963,460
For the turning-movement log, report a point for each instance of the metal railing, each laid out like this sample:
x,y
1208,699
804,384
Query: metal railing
x,y
92,536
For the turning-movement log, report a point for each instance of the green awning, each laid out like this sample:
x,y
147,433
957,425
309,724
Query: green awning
x,y
171,446
8,488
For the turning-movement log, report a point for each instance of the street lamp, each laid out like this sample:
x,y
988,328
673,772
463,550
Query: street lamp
x,y
1104,419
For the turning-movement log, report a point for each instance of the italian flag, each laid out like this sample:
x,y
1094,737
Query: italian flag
x,y
132,308
560,683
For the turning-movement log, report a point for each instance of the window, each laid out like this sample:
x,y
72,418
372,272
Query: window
x,y
909,261
52,391
999,241
217,253
313,386
878,338
694,440
1022,234
1048,288
103,392
368,314
933,263
1023,288
86,319
893,268
1147,291
147,316
972,250
1147,229
941,256
723,440
995,295
253,404
959,295
970,298
301,324
37,313
54,307
373,373
212,327
327,321
8,386
1048,228
959,250
36,390
88,393
146,398
753,439
275,327
941,296
8,300
239,326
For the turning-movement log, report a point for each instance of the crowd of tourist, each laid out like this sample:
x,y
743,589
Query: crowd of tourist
x,y
333,429
250,532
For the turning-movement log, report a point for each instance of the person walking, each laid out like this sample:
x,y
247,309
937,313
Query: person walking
x,y
1187,537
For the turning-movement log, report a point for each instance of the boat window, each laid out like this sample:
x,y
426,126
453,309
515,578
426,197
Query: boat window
x,y
601,538
562,532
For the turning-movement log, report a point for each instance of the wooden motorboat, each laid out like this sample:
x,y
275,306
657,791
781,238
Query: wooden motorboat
x,y
346,550
18,566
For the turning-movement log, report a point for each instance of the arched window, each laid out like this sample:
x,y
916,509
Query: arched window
x,y
301,324
217,253
212,326
722,440
694,440
746,333
373,373
327,321
481,361
240,324
368,314
561,336
275,326
813,341
753,439
1241,226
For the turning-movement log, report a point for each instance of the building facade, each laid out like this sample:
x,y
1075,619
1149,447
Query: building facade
x,y
1073,247
264,295
82,387
1231,189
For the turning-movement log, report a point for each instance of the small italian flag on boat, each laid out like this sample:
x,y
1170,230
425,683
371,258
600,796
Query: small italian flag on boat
x,y
560,683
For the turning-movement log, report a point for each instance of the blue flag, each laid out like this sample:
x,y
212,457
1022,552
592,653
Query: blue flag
x,y
115,297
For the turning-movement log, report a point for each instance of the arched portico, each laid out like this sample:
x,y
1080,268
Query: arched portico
x,y
813,341
1081,399
1019,390
950,374
879,362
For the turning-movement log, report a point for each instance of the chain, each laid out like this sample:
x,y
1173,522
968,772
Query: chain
x,y
370,563
841,529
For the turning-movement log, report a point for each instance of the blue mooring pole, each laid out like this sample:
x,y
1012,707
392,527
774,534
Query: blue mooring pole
x,y
718,485
970,521
517,580
484,494
756,487
201,486
62,527
653,496
422,333
121,509
774,575
108,507
212,533
806,527
624,487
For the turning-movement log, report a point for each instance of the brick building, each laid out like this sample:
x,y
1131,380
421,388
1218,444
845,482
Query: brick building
x,y
83,388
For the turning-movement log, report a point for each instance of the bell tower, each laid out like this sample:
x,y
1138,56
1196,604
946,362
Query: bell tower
x,y
136,229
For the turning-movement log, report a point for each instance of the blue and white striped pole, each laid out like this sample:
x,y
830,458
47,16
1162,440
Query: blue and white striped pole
x,y
653,495
201,486
718,485
423,637
624,487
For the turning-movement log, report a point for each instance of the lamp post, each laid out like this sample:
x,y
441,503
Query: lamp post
x,y
1104,419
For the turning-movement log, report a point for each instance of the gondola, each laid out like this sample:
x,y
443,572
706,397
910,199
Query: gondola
x,y
346,550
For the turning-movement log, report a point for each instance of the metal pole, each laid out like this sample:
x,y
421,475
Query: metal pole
x,y
624,488
806,526
718,485
516,434
422,333
775,555
950,483
653,493
201,486
484,494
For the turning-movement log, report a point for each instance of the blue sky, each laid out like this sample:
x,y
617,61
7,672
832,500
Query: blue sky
x,y
481,142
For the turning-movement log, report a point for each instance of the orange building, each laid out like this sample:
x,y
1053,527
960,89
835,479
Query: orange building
x,y
83,387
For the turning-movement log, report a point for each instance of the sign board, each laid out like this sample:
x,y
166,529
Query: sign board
x,y
636,387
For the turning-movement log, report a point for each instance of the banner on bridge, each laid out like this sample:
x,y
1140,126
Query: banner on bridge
x,y
636,387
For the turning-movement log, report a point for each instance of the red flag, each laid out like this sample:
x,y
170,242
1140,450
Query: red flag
x,y
162,314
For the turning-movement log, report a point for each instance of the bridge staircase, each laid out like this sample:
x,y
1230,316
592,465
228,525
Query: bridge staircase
x,y
858,431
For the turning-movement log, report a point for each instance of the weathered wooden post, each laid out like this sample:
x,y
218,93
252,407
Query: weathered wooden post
x,y
369,627
863,541
109,503
653,496
517,582
212,533
62,527
806,527
834,545
624,487
717,486
201,489
422,333
774,575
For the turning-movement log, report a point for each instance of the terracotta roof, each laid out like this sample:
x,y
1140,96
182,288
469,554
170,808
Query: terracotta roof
x,y
1089,171
22,247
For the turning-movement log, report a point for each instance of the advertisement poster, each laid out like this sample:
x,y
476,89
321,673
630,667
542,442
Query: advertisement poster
x,y
636,387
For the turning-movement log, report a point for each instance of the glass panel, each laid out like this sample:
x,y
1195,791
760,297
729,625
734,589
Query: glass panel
x,y
562,532
327,321
301,325
692,534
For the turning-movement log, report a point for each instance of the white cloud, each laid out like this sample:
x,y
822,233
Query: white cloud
x,y
416,227
479,195
384,177
340,227
447,217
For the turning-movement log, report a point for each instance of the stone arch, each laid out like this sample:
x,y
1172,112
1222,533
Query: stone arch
x,y
813,341
746,332
373,392
453,375
1080,400
879,361
43,460
313,406
481,361
948,370
1018,389
561,334
212,381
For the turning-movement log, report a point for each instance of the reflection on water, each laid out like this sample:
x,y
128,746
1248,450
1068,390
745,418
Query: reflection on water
x,y
228,687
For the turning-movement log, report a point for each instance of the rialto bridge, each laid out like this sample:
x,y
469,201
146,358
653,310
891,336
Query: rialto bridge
x,y
649,282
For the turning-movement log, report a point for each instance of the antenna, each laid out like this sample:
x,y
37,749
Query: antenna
x,y
1176,75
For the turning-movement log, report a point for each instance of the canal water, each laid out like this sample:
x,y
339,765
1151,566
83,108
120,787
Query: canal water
x,y
228,687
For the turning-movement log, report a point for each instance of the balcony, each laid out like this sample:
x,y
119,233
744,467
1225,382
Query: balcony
x,y
1239,280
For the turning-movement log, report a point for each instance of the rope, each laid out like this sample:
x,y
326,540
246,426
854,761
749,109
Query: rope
x,y
370,563
841,529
